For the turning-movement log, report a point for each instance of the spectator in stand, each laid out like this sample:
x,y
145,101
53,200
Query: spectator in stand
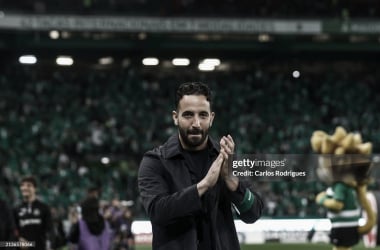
x,y
58,236
124,238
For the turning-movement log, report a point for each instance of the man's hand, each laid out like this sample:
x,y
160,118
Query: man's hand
x,y
212,175
227,147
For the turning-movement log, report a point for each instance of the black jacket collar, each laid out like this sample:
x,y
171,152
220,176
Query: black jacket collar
x,y
173,148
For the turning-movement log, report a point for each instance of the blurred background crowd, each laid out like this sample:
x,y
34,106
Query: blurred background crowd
x,y
80,129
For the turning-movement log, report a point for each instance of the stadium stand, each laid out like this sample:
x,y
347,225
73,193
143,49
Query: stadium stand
x,y
58,124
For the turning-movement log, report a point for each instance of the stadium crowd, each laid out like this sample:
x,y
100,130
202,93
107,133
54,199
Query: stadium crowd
x,y
76,129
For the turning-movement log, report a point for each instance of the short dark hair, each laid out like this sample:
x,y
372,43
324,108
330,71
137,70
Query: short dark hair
x,y
90,204
90,210
30,179
192,88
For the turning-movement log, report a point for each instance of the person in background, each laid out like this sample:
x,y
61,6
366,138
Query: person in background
x,y
94,191
58,236
124,238
92,231
32,216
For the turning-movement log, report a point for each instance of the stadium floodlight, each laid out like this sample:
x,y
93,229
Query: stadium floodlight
x,y
264,38
296,74
180,61
64,60
27,59
206,67
105,160
150,61
211,61
105,60
54,34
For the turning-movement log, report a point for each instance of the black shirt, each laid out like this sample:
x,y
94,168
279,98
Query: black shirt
x,y
33,221
198,163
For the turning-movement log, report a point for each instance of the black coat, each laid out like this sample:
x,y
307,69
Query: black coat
x,y
172,201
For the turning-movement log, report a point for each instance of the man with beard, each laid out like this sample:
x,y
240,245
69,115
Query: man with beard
x,y
33,218
185,185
